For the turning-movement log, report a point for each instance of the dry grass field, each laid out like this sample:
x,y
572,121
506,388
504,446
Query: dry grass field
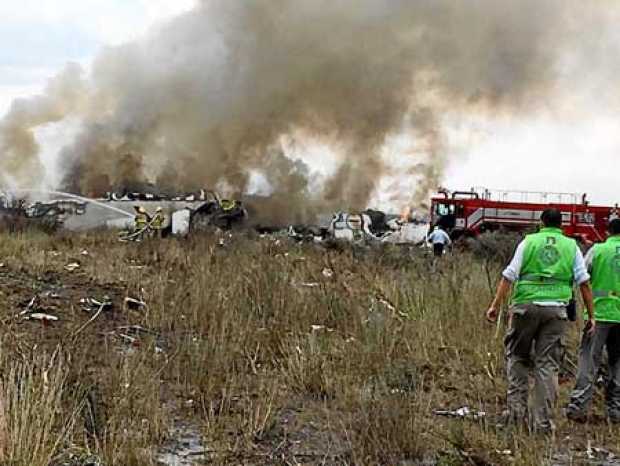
x,y
261,351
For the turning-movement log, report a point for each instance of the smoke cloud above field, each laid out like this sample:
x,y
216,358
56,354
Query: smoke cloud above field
x,y
222,92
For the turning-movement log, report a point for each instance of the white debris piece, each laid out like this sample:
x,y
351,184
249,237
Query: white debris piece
x,y
72,267
41,316
134,304
461,412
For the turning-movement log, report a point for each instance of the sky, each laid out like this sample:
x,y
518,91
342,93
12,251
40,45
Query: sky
x,y
547,151
40,36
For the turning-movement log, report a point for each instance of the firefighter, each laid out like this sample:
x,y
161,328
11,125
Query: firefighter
x,y
439,239
603,261
543,270
141,219
158,222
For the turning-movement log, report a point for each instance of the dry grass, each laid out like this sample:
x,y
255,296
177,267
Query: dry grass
x,y
273,359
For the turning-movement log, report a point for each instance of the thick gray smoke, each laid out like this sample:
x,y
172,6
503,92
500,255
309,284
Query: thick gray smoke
x,y
206,99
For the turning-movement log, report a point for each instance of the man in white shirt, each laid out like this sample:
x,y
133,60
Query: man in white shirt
x,y
439,239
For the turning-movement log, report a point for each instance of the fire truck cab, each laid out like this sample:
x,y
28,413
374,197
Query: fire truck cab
x,y
470,213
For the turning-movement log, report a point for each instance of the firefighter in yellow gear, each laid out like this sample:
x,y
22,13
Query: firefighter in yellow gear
x,y
141,219
158,222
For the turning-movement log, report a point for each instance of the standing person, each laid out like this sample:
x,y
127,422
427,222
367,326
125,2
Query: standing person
x,y
439,239
141,222
141,219
158,222
543,270
604,263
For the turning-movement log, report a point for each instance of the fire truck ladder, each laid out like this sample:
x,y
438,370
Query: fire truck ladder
x,y
530,197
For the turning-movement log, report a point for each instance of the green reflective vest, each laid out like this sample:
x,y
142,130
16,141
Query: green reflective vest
x,y
606,280
547,268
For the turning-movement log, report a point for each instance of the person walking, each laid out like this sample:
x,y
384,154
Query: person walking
x,y
603,260
541,274
439,239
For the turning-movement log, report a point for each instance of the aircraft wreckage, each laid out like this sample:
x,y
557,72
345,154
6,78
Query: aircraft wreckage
x,y
182,212
197,211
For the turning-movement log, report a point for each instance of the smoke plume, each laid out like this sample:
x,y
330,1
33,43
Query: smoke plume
x,y
205,100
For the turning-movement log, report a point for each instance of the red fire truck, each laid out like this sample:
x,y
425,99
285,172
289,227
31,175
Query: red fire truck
x,y
479,210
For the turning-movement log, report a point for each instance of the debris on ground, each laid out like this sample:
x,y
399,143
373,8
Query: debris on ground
x,y
134,304
34,311
93,304
184,449
327,272
462,412
71,267
135,334
81,460
316,328
41,317
305,284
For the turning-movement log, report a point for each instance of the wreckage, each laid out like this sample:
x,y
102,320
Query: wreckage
x,y
182,212
370,226
201,211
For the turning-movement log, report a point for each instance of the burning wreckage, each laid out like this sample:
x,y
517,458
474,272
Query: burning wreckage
x,y
202,210
181,213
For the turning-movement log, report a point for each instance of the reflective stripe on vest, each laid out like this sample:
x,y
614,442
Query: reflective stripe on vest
x,y
606,294
530,277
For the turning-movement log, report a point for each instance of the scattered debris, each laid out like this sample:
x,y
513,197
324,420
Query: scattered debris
x,y
133,335
41,317
133,304
72,267
185,448
93,304
305,284
81,460
31,305
327,273
463,412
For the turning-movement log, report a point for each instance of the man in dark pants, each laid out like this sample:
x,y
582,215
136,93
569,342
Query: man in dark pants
x,y
543,270
439,239
604,263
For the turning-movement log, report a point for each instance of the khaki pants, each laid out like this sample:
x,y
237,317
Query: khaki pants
x,y
534,342
607,335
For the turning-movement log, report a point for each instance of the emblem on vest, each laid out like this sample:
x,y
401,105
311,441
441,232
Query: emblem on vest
x,y
549,255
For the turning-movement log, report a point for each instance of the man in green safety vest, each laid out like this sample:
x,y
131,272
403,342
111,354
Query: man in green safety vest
x,y
541,274
603,261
